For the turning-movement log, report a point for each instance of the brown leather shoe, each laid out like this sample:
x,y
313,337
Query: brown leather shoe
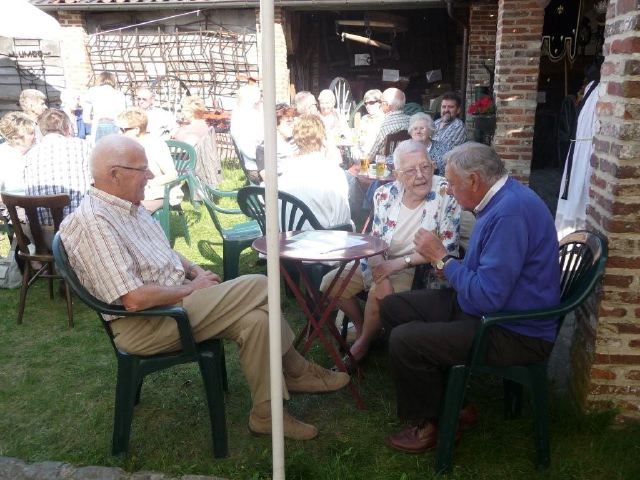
x,y
414,439
468,417
293,428
316,379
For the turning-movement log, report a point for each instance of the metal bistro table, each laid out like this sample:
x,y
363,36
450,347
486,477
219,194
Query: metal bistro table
x,y
324,246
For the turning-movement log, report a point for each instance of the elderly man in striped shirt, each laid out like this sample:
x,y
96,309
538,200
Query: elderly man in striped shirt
x,y
121,256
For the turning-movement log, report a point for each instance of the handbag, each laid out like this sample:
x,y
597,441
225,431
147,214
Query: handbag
x,y
10,274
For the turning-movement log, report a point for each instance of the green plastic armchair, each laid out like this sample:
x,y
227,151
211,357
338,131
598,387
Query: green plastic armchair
x,y
583,256
132,369
235,238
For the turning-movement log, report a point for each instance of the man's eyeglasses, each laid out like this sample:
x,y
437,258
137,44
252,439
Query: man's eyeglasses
x,y
372,102
146,99
137,169
412,172
126,129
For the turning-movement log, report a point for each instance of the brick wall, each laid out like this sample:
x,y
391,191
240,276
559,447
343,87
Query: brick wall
x,y
483,19
282,72
611,372
77,67
519,32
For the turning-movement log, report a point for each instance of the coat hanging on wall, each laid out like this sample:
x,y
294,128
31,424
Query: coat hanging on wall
x,y
560,31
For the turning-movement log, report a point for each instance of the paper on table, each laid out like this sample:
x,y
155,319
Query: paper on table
x,y
324,241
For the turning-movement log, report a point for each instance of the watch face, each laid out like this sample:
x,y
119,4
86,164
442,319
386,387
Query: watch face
x,y
440,265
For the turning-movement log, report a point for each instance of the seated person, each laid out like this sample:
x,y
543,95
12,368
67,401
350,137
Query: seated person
x,y
313,176
395,119
421,129
133,124
336,127
417,199
305,103
370,123
511,265
449,129
247,129
160,122
19,132
121,255
58,164
285,119
195,131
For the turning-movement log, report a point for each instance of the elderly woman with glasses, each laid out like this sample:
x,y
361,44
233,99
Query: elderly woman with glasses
x,y
416,199
421,128
370,123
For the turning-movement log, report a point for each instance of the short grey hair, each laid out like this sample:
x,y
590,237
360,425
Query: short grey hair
x,y
303,101
327,95
476,157
372,95
395,98
407,147
421,117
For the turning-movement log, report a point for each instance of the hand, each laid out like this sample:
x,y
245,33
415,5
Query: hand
x,y
385,269
204,279
429,246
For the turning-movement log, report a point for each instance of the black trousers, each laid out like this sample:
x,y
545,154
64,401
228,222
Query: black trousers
x,y
429,333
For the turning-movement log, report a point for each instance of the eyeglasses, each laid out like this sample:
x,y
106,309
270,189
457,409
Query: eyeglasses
x,y
143,98
137,169
126,129
412,172
372,102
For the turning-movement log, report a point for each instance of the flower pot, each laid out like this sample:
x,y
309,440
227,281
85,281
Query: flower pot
x,y
484,128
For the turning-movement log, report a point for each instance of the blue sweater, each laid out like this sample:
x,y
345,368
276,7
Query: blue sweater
x,y
512,261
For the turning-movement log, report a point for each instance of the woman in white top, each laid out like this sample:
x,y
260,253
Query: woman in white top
x,y
133,123
313,175
370,123
102,105
19,132
417,199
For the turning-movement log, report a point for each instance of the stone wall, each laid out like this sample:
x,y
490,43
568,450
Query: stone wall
x,y
613,379
518,39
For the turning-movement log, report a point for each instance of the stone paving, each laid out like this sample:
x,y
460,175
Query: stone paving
x,y
14,469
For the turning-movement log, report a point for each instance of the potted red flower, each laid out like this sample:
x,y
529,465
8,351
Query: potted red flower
x,y
484,118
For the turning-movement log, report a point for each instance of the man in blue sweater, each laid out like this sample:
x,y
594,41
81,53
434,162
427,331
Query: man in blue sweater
x,y
511,264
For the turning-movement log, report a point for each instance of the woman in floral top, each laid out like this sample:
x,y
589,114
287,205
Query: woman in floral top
x,y
417,199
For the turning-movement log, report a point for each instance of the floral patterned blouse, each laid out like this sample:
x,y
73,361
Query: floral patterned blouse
x,y
440,214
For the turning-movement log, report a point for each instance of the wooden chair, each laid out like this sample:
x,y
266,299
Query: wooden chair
x,y
582,257
42,254
132,369
392,141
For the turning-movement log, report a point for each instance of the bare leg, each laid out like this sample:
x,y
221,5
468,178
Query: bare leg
x,y
351,308
372,322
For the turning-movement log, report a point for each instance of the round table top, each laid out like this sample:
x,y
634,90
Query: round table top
x,y
324,245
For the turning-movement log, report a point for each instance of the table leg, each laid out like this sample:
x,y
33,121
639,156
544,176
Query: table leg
x,y
323,305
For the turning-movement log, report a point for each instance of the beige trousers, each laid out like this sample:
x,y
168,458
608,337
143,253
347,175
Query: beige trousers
x,y
234,310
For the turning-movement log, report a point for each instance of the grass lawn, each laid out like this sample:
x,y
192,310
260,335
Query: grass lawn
x,y
57,394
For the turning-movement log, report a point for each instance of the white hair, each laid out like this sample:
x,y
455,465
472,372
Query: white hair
x,y
476,157
407,147
421,117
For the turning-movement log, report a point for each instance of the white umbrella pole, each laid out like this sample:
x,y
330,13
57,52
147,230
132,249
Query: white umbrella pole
x,y
273,262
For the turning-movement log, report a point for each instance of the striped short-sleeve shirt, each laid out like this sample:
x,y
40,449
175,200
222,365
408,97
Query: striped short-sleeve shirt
x,y
115,247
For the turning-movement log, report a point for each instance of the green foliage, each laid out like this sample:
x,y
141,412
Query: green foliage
x,y
57,393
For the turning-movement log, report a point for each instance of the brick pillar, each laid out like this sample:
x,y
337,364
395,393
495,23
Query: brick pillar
x,y
282,72
77,66
516,82
483,20
607,364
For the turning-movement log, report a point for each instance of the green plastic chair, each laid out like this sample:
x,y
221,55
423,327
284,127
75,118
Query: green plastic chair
x,y
583,256
184,159
236,238
132,369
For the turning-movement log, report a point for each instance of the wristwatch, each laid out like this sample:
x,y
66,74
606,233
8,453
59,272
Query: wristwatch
x,y
407,261
440,263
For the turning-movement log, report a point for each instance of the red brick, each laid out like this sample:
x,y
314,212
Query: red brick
x,y
602,374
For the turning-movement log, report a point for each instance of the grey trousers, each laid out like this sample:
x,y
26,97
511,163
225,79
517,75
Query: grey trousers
x,y
429,333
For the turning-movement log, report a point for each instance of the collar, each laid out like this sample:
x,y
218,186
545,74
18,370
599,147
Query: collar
x,y
495,188
113,200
